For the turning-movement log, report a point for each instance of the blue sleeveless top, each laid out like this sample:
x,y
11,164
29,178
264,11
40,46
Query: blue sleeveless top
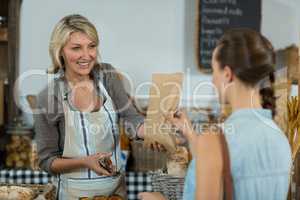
x,y
260,157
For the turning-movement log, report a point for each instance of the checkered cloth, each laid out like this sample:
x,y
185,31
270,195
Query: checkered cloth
x,y
24,177
136,181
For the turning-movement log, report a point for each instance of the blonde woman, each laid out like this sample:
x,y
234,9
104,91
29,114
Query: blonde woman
x,y
77,125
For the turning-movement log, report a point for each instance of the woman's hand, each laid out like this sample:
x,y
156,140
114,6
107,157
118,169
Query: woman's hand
x,y
141,131
182,123
151,196
92,162
154,146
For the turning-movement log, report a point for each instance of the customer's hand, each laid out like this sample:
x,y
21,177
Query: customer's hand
x,y
182,123
92,162
155,146
151,196
141,131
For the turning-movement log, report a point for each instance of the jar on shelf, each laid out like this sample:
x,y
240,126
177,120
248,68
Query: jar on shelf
x,y
3,21
19,147
3,28
34,156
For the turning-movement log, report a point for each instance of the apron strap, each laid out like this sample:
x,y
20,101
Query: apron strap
x,y
113,133
105,93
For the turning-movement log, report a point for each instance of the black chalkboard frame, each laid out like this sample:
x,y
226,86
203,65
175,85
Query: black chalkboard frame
x,y
200,67
198,42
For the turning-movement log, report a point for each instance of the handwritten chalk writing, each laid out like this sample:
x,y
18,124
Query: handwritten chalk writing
x,y
232,2
214,31
205,61
220,11
215,21
209,42
236,12
206,52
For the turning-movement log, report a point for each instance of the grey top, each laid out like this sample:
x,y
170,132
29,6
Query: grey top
x,y
50,122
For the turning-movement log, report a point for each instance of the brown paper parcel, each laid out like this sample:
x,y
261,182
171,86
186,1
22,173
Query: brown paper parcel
x,y
163,100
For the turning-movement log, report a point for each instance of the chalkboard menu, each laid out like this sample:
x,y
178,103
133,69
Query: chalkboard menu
x,y
216,16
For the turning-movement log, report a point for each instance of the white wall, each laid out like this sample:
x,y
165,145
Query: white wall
x,y
139,37
281,22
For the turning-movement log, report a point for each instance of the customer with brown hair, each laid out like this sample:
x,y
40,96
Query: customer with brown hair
x,y
258,163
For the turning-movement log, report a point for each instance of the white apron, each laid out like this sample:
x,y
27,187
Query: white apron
x,y
87,133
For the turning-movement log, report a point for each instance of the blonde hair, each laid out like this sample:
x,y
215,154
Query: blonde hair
x,y
61,34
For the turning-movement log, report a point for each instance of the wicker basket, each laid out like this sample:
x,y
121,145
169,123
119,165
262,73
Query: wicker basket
x,y
170,186
143,159
47,192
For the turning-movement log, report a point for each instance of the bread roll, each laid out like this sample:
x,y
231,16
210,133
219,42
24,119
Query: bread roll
x,y
115,197
15,193
100,198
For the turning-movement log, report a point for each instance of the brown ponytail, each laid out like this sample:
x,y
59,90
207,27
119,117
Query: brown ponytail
x,y
251,57
268,98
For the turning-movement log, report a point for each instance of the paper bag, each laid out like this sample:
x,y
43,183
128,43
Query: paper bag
x,y
163,101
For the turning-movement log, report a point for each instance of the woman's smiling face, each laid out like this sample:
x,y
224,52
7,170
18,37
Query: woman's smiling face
x,y
80,54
